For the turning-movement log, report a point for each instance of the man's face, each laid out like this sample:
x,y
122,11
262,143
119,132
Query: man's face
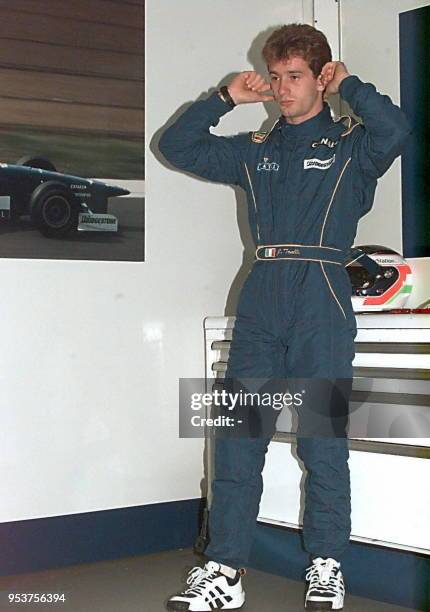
x,y
296,90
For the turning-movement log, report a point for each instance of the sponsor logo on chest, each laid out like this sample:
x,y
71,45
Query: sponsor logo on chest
x,y
325,142
320,164
267,165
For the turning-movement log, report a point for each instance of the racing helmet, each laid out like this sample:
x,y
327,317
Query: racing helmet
x,y
381,278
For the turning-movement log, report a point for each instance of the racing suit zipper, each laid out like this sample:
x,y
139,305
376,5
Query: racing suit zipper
x,y
290,157
273,177
283,204
272,228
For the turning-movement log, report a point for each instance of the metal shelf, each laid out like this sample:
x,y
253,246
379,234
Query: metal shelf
x,y
369,446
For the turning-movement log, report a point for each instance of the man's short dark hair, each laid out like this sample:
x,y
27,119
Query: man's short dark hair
x,y
298,39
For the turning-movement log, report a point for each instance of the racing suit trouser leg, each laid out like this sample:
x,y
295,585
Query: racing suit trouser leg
x,y
236,491
322,348
326,519
237,486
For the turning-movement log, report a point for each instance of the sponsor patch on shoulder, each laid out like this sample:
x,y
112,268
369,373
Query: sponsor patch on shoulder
x,y
321,164
259,137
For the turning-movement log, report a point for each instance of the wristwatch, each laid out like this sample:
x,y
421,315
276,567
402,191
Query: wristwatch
x,y
225,96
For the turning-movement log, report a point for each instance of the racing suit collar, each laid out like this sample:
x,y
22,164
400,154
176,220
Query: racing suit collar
x,y
311,127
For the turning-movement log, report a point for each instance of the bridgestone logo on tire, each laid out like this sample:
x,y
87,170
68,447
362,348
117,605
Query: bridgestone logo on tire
x,y
88,219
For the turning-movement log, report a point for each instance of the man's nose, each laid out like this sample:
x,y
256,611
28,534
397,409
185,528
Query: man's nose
x,y
283,87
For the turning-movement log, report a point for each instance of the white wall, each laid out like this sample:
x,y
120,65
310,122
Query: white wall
x,y
92,351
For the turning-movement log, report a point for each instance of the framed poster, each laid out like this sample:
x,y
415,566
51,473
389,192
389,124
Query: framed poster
x,y
72,100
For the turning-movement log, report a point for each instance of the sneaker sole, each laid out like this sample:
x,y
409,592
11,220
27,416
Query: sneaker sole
x,y
182,606
319,606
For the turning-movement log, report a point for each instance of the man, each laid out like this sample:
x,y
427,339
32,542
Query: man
x,y
308,181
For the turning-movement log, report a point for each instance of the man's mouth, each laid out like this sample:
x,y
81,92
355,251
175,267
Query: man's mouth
x,y
286,102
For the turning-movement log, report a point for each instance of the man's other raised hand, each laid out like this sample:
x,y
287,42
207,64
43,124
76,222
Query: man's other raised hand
x,y
249,86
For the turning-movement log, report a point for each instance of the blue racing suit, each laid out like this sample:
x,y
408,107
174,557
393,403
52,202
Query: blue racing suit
x,y
307,186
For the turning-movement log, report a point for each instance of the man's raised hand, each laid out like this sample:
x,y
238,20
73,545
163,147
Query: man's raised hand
x,y
332,75
249,86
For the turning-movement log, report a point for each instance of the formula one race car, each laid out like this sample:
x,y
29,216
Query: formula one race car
x,y
56,203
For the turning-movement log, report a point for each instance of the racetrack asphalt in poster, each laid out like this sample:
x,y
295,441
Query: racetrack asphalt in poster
x,y
22,240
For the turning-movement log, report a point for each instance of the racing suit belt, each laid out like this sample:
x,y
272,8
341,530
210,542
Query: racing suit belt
x,y
272,252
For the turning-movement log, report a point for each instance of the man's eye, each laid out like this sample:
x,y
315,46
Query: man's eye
x,y
294,77
274,78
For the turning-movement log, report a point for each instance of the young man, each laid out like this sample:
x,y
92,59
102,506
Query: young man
x,y
308,181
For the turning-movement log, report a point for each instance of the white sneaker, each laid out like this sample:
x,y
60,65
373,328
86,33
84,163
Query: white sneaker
x,y
213,587
326,589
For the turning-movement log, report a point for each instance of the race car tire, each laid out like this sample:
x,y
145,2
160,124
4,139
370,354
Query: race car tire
x,y
53,209
42,163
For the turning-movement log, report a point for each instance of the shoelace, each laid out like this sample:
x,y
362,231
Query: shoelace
x,y
320,574
197,579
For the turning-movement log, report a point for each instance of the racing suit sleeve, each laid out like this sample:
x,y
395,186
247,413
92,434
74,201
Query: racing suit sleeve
x,y
189,145
386,127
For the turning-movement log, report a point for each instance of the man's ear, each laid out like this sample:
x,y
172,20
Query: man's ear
x,y
320,83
